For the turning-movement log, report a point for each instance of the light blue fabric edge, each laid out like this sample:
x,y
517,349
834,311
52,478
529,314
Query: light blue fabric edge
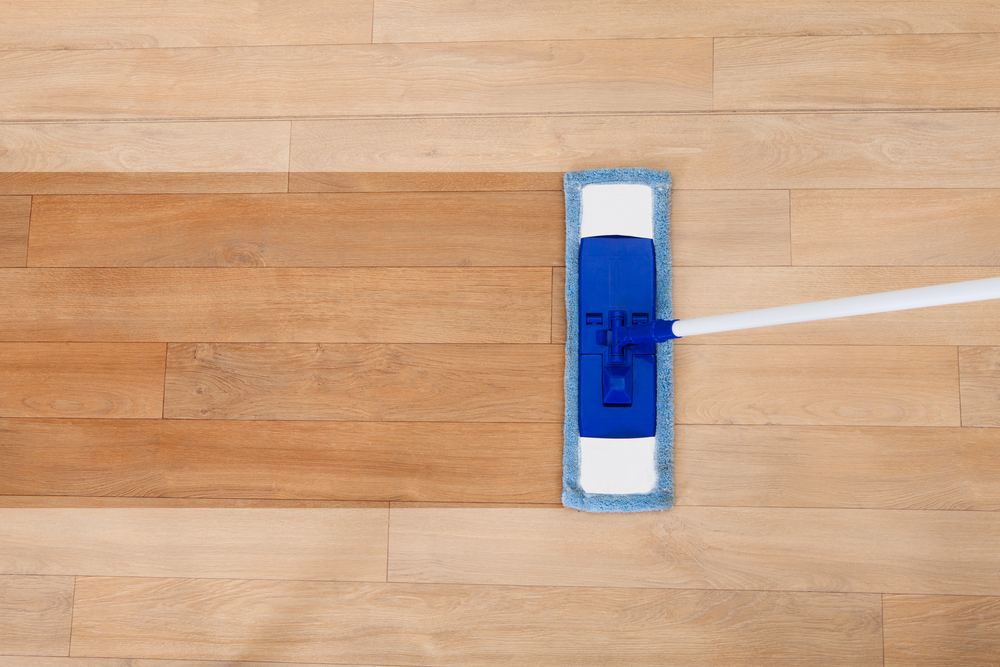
x,y
662,496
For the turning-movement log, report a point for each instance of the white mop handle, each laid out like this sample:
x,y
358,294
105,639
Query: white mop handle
x,y
920,297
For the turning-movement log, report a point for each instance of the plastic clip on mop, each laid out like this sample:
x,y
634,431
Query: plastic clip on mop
x,y
618,454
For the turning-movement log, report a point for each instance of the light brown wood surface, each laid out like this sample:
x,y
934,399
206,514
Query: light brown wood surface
x,y
980,373
90,24
15,213
702,151
483,462
305,81
374,304
456,20
409,229
346,544
844,550
950,630
857,72
304,230
35,615
82,380
895,227
729,227
282,326
412,181
821,466
816,385
392,383
89,158
34,661
468,625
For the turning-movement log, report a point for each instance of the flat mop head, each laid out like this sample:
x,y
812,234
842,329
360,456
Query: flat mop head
x,y
619,421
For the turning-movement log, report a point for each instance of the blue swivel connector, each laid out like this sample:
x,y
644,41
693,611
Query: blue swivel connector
x,y
659,331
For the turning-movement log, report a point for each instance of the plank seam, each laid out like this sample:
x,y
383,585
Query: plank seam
x,y
72,610
27,240
525,114
882,624
958,363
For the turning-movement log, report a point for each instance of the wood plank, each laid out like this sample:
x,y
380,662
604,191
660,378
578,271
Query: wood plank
x,y
700,292
895,227
285,459
35,615
91,24
729,228
469,625
250,156
139,183
702,151
925,630
399,229
83,502
816,385
979,369
15,214
82,380
346,544
264,304
857,72
305,230
316,81
34,661
850,467
463,383
457,20
921,551
459,181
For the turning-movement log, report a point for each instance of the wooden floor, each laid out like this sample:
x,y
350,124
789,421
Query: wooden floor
x,y
281,327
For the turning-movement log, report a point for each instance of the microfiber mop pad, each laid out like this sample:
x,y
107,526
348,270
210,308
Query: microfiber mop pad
x,y
617,469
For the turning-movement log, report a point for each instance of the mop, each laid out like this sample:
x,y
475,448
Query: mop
x,y
618,421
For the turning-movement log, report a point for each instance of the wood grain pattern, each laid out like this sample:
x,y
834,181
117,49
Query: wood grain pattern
x,y
468,625
895,227
347,544
979,368
465,383
311,81
724,151
81,380
869,550
857,72
263,304
140,183
921,631
90,24
816,385
458,181
456,20
34,661
249,156
712,228
35,615
305,230
15,214
700,292
559,305
729,228
850,467
83,502
289,459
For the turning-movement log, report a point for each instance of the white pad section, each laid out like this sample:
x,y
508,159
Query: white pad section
x,y
617,466
616,208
